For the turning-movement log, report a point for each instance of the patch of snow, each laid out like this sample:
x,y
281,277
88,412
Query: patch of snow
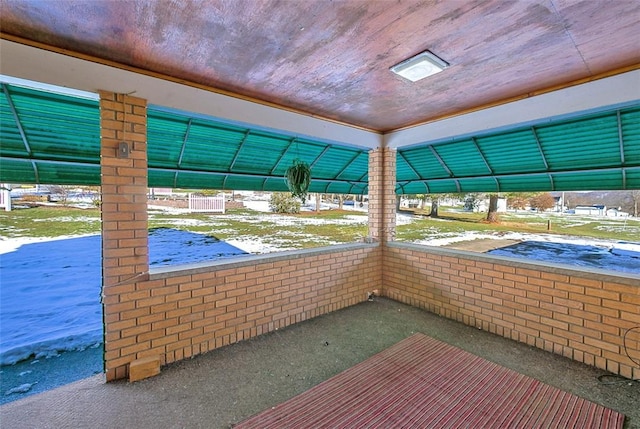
x,y
12,244
86,219
626,248
455,237
256,245
581,255
187,222
404,219
288,220
23,388
258,206
164,209
50,295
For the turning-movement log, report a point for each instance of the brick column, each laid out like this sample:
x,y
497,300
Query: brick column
x,y
123,120
382,196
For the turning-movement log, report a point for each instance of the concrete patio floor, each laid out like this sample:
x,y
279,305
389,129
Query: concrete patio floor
x,y
223,387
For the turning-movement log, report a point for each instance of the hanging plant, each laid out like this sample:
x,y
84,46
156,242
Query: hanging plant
x,y
298,178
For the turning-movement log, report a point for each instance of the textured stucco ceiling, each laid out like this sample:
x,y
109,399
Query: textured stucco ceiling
x,y
332,59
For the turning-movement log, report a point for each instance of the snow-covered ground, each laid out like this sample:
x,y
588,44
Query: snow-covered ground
x,y
50,288
50,294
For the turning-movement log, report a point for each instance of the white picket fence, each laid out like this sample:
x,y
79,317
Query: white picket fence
x,y
199,203
5,198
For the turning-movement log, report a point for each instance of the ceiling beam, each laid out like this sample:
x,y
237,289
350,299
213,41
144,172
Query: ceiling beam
x,y
620,137
35,171
351,161
16,118
441,161
319,156
275,167
250,175
23,135
173,170
475,143
404,158
544,173
235,156
542,155
184,142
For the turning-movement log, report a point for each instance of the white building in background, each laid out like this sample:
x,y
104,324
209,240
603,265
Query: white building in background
x,y
5,196
613,212
595,210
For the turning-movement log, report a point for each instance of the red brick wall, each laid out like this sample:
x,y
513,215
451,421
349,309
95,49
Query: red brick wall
x,y
579,314
124,187
179,313
123,210
382,194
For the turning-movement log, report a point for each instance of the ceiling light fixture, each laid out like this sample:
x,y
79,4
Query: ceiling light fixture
x,y
422,65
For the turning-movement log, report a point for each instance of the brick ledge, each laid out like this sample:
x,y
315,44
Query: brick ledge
x,y
548,267
243,261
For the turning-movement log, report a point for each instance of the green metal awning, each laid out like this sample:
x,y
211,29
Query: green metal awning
x,y
49,138
599,151
192,152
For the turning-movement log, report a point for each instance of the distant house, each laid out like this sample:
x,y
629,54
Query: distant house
x,y
616,212
595,210
558,205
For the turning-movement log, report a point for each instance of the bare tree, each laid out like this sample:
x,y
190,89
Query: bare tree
x,y
60,193
635,196
435,202
95,194
542,202
492,214
518,200
437,198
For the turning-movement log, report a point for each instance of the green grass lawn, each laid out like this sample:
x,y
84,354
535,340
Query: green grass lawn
x,y
49,221
290,231
312,229
454,222
287,231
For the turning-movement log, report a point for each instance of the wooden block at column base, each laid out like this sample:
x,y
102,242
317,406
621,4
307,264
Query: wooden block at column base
x,y
143,368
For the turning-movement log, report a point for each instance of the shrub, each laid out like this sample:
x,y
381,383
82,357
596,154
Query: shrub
x,y
284,202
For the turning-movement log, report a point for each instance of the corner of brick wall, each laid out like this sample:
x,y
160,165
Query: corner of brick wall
x,y
571,314
183,314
